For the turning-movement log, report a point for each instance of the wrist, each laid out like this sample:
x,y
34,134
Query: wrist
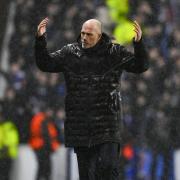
x,y
40,36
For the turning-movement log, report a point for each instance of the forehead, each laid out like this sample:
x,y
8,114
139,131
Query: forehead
x,y
88,28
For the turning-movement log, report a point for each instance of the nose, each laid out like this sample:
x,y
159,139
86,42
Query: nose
x,y
84,37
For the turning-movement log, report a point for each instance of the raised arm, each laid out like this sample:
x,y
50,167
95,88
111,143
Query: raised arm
x,y
48,62
140,61
136,62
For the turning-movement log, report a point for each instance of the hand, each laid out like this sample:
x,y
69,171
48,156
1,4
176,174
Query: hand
x,y
42,27
138,31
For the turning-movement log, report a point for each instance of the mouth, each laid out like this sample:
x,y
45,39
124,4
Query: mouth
x,y
84,44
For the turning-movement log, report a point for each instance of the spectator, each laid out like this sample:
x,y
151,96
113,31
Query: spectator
x,y
44,141
9,140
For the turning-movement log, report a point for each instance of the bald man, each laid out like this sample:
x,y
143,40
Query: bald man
x,y
92,68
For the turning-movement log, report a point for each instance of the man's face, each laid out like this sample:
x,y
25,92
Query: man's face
x,y
89,36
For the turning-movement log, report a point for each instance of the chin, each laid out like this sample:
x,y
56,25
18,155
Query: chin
x,y
85,47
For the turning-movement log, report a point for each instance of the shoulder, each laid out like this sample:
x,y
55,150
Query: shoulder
x,y
116,48
73,48
68,48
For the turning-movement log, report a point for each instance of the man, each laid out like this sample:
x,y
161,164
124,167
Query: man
x,y
92,68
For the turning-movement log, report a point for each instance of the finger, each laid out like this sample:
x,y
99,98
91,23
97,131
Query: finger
x,y
137,27
136,32
40,27
44,24
44,21
136,23
137,35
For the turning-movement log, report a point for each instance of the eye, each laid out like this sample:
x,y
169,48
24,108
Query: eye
x,y
82,33
89,34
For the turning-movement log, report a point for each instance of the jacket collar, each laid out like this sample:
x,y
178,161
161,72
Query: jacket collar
x,y
100,47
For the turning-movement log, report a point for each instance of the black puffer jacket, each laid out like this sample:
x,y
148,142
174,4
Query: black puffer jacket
x,y
92,78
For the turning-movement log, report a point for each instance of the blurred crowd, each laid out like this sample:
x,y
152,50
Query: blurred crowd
x,y
150,100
